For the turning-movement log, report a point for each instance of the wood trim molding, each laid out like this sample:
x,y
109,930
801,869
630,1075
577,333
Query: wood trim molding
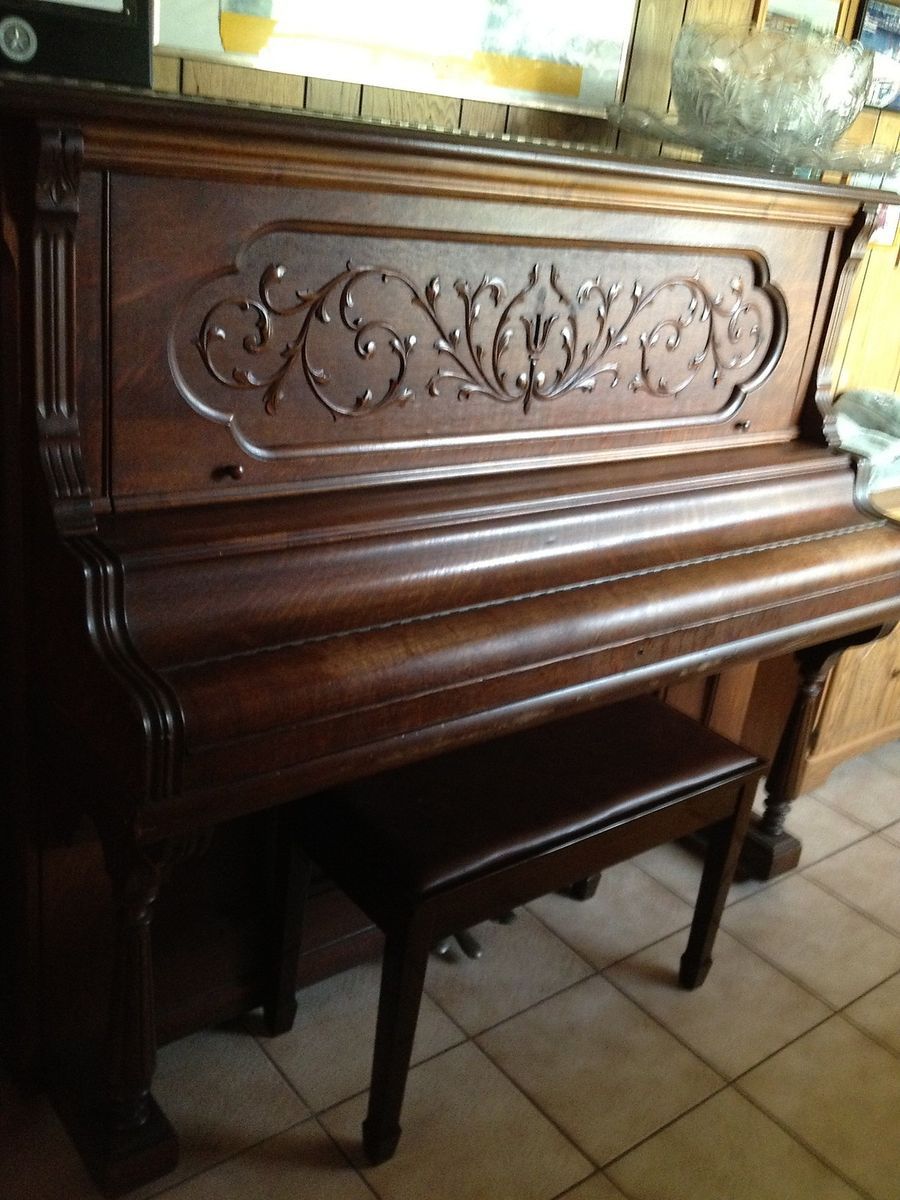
x,y
57,177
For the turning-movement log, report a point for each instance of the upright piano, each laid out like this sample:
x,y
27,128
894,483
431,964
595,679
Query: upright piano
x,y
329,446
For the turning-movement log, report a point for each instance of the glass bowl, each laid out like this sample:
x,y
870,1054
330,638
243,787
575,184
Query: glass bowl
x,y
755,88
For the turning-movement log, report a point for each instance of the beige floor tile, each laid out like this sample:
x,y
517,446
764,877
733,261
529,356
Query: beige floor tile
x,y
840,1093
864,790
630,910
222,1094
878,1013
604,1071
892,833
726,1150
822,943
522,963
675,867
867,876
327,1056
819,826
598,1187
822,829
301,1164
743,1012
887,756
679,869
468,1134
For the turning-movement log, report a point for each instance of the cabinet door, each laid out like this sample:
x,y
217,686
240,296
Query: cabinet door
x,y
861,707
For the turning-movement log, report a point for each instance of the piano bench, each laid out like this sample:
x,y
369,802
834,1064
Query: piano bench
x,y
445,843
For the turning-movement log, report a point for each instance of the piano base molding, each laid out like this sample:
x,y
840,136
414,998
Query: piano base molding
x,y
118,1160
765,855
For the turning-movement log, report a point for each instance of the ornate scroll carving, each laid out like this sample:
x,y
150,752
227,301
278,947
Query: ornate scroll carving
x,y
423,338
56,203
499,349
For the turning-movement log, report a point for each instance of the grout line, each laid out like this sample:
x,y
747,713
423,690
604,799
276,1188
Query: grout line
x,y
870,916
346,1157
801,1141
226,1158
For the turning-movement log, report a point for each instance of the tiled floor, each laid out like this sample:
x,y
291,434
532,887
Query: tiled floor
x,y
566,1063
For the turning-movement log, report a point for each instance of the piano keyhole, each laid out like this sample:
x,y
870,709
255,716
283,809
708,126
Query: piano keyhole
x,y
229,471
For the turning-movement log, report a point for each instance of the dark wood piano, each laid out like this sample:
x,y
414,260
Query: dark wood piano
x,y
330,446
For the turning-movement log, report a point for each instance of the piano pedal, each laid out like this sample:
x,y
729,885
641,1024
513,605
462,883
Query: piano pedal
x,y
469,945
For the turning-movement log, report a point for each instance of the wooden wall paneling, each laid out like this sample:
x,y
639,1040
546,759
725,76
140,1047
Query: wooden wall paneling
x,y
481,116
420,108
862,131
222,81
329,96
848,18
648,82
870,343
166,74
720,12
559,126
873,352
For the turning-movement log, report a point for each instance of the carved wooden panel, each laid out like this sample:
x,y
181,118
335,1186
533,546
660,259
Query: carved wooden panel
x,y
310,341
283,341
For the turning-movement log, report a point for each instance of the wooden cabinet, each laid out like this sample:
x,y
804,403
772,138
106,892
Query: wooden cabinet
x,y
860,708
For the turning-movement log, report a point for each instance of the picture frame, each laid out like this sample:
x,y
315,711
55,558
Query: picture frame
x,y
879,31
107,41
825,16
506,51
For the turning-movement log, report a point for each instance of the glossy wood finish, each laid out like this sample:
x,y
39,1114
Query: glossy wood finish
x,y
337,447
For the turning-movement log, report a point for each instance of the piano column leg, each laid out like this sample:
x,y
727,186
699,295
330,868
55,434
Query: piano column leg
x,y
136,1141
290,877
769,849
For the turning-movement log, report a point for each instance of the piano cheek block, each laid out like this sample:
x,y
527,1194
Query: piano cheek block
x,y
335,449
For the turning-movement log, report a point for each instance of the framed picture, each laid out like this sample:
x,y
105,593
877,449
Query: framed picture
x,y
822,15
105,40
525,52
879,31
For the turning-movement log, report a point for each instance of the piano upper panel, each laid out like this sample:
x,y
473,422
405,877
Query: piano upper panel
x,y
315,338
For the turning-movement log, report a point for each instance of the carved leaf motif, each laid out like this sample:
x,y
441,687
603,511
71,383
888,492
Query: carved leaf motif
x,y
566,345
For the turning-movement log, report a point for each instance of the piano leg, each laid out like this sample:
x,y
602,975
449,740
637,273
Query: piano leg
x,y
583,889
290,879
769,849
128,1141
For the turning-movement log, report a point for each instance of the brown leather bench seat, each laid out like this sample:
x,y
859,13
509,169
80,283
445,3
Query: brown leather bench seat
x,y
441,844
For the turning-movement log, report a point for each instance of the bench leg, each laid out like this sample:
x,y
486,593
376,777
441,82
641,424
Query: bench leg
x,y
406,953
724,841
